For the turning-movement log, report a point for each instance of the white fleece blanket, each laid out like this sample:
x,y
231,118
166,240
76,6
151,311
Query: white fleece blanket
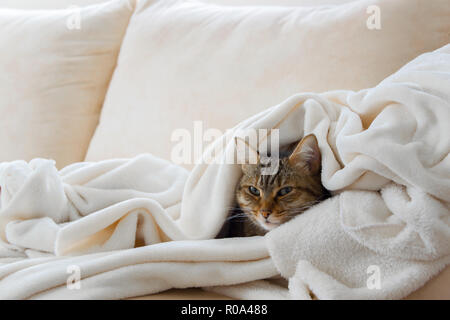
x,y
386,231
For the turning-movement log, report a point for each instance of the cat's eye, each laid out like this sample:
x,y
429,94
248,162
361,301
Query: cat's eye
x,y
253,191
284,191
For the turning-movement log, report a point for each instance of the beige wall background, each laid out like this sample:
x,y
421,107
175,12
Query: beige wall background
x,y
61,4
45,4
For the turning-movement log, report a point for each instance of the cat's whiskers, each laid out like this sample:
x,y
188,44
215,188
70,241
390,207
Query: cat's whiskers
x,y
242,213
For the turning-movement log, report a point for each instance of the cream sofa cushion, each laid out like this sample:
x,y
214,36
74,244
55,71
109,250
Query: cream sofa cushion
x,y
183,61
53,78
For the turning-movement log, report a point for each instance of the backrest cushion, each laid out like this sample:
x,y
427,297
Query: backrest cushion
x,y
55,67
183,61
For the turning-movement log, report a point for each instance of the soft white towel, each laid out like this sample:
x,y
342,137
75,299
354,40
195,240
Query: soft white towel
x,y
385,156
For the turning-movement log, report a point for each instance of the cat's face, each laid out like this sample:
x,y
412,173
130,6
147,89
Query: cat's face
x,y
270,200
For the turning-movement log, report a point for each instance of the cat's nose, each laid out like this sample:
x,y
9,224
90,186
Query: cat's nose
x,y
265,212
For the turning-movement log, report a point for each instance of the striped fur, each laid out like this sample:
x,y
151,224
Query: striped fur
x,y
300,171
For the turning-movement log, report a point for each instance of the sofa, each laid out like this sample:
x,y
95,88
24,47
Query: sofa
x,y
90,80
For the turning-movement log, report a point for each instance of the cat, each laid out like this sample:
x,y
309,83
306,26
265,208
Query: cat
x,y
267,201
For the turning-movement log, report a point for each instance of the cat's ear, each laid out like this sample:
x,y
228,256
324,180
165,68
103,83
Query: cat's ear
x,y
246,154
307,155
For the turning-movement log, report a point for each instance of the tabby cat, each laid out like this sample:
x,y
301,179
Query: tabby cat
x,y
267,201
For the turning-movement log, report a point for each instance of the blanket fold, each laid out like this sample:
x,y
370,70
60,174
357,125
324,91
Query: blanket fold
x,y
144,225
